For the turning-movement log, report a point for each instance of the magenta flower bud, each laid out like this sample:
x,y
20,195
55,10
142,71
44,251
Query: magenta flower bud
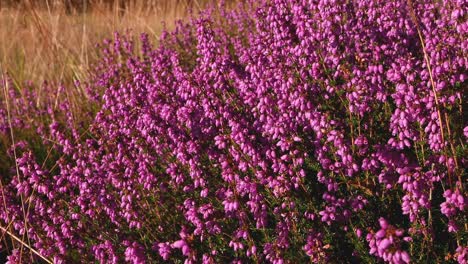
x,y
358,233
384,244
179,244
405,257
383,223
399,232
396,256
380,234
408,239
185,250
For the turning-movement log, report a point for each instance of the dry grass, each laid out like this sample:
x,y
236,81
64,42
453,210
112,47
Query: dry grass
x,y
49,43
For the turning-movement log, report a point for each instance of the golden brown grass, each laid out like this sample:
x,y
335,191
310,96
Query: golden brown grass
x,y
48,43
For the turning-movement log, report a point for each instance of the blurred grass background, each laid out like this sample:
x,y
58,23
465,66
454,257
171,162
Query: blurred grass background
x,y
55,40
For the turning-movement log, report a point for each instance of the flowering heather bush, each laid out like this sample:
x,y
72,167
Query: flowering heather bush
x,y
324,131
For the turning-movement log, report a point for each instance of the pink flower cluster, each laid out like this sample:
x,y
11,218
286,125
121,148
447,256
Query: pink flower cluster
x,y
385,243
454,204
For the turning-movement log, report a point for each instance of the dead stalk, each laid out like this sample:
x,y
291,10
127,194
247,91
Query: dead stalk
x,y
25,245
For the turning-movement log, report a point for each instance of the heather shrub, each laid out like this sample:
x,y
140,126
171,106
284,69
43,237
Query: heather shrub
x,y
280,131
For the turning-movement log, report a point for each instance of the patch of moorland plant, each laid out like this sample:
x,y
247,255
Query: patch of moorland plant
x,y
280,131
